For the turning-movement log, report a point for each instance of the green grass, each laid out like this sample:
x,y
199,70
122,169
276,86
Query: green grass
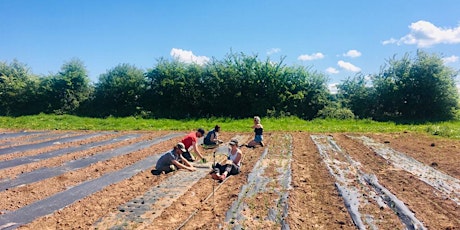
x,y
67,122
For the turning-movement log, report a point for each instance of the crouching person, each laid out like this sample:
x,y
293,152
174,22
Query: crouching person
x,y
231,166
174,160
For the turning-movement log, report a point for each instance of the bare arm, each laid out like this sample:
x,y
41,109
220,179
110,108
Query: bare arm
x,y
195,148
186,165
213,137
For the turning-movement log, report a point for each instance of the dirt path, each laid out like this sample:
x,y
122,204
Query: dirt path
x,y
297,181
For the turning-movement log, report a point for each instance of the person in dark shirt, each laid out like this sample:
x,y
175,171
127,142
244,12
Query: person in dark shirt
x,y
258,134
173,160
212,138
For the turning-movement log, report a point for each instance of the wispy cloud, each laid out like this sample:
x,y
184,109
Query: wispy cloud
x,y
450,59
188,56
273,51
333,88
332,70
352,54
425,34
348,66
306,57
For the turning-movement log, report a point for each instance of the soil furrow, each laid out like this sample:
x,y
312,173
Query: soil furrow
x,y
448,186
311,198
266,190
433,211
363,196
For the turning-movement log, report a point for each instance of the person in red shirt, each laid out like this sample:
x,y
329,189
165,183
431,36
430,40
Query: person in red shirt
x,y
191,140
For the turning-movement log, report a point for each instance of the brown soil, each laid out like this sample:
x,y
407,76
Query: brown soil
x,y
314,201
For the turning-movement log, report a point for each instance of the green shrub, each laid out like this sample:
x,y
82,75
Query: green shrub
x,y
335,112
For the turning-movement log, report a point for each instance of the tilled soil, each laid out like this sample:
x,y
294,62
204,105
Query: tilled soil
x,y
298,180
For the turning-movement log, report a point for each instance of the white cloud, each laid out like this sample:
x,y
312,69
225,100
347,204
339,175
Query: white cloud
x,y
332,70
450,59
352,53
188,56
348,66
333,88
273,51
389,41
306,57
425,34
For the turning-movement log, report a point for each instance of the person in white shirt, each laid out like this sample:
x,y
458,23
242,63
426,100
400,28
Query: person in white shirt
x,y
232,164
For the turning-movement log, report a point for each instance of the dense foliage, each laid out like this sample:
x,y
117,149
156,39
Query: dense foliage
x,y
408,90
237,86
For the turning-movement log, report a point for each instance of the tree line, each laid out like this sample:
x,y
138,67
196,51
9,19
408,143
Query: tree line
x,y
421,88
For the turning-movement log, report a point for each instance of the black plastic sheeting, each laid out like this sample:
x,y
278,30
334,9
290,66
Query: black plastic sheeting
x,y
59,152
27,214
19,134
156,200
34,138
44,173
22,148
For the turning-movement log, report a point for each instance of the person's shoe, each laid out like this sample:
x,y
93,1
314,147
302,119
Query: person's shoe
x,y
215,176
173,168
262,143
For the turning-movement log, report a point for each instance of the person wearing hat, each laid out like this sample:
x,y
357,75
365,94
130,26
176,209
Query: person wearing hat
x,y
191,140
173,160
232,164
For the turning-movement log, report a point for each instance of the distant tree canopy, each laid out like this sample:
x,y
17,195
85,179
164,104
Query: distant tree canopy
x,y
237,86
422,89
18,90
64,92
410,90
118,92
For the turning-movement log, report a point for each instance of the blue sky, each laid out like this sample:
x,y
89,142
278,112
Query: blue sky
x,y
338,38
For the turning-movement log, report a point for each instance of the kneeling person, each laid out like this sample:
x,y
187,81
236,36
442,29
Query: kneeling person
x,y
191,140
173,160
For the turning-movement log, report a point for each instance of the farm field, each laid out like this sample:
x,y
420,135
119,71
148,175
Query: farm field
x,y
298,180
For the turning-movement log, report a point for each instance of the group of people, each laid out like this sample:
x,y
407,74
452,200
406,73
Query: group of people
x,y
180,157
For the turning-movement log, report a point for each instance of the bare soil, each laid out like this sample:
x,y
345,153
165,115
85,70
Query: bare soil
x,y
311,199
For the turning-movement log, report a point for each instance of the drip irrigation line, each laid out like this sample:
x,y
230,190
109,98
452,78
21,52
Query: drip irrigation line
x,y
209,196
202,202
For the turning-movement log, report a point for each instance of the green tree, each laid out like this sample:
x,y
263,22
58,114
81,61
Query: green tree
x,y
18,90
356,94
167,85
67,90
305,92
237,86
119,92
422,89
